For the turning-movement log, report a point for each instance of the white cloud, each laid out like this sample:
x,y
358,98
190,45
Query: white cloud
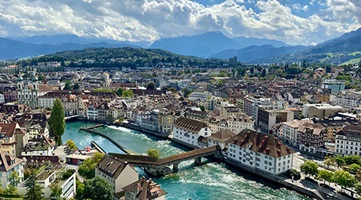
x,y
139,20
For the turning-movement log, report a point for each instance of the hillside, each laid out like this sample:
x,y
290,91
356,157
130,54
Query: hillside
x,y
251,53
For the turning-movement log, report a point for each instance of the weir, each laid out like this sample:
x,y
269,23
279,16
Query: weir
x,y
90,130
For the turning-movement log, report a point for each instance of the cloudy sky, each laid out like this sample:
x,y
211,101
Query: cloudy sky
x,y
291,21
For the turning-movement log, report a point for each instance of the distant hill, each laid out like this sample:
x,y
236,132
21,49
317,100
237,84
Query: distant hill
x,y
246,42
207,44
251,53
40,45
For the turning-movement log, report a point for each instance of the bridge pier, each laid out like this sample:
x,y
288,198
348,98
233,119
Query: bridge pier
x,y
198,160
175,167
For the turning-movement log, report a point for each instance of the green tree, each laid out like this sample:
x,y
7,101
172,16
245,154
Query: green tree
x,y
14,178
151,86
67,85
119,91
80,191
57,121
354,168
344,179
71,145
76,86
202,108
357,187
87,168
325,175
309,168
10,191
56,191
340,161
352,159
153,153
34,190
96,189
128,94
330,161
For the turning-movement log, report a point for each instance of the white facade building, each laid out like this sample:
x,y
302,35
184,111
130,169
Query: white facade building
x,y
348,140
188,131
260,151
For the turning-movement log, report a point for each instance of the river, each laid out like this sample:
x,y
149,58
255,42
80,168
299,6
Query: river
x,y
209,181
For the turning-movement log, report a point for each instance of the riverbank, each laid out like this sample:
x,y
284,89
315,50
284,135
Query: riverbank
x,y
214,180
314,191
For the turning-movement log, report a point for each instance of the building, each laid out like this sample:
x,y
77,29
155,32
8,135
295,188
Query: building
x,y
116,172
348,140
320,110
288,132
266,119
144,190
219,138
334,85
348,99
49,177
311,137
187,131
236,123
12,139
260,151
8,164
28,92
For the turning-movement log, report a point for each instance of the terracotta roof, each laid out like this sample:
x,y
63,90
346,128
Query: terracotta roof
x,y
222,135
351,131
5,162
111,166
261,142
9,129
315,128
45,88
189,124
145,189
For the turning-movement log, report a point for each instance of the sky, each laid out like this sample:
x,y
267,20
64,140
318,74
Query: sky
x,y
296,22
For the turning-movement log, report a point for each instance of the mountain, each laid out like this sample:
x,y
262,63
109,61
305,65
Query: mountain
x,y
246,42
342,50
39,45
55,39
251,53
201,45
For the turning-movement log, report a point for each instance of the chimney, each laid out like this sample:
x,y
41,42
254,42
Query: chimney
x,y
268,150
278,152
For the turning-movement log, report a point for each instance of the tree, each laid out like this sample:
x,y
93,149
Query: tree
x,y
128,93
57,121
34,190
153,153
353,159
97,188
263,72
14,178
340,161
325,175
202,108
71,145
309,168
119,91
87,168
344,179
358,187
354,168
80,191
76,86
67,85
330,161
56,191
151,86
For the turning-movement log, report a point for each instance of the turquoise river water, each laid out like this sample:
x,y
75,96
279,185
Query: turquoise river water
x,y
209,181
